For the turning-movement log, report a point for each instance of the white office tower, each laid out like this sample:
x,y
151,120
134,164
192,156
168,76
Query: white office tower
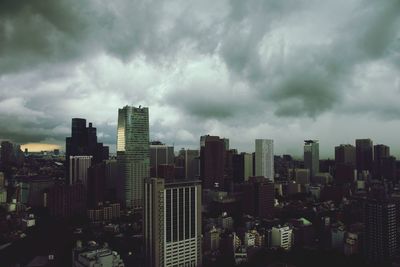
x,y
78,169
265,158
133,158
172,223
282,237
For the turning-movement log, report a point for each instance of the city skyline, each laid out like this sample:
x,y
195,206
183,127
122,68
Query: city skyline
x,y
290,71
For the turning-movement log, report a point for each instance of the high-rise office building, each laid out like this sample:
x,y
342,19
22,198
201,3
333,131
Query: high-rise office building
x,y
132,154
191,162
381,232
96,185
257,196
381,152
212,161
83,142
264,158
172,223
311,156
242,167
78,169
381,158
160,154
364,155
345,154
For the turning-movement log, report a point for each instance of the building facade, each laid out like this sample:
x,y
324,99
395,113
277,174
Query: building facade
x,y
311,156
172,223
364,155
264,158
133,158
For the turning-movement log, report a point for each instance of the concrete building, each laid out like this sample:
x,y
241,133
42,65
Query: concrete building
x,y
345,154
264,158
242,167
302,176
94,255
191,163
160,154
132,155
172,223
212,239
311,156
282,237
381,231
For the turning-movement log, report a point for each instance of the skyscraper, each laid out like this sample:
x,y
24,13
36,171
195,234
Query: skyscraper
x,y
78,169
381,158
345,154
311,156
364,155
172,223
132,154
380,230
83,142
264,158
242,167
212,160
191,159
160,154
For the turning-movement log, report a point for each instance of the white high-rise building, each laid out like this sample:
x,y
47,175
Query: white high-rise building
x,y
133,159
172,223
265,158
78,169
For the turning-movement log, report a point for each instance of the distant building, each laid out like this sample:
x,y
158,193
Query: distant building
x,y
212,239
160,154
104,213
78,169
94,255
364,155
132,155
66,200
282,236
311,156
345,154
384,164
257,197
242,167
83,142
264,158
96,185
302,176
172,223
191,159
212,161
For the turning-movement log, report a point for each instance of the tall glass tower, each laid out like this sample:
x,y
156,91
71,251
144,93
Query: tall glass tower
x,y
311,156
132,155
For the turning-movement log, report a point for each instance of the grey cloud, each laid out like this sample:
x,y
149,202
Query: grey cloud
x,y
58,38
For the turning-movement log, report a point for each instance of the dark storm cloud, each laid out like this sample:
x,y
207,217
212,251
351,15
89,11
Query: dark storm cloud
x,y
201,63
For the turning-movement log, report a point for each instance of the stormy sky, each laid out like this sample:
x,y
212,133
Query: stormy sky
x,y
286,70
